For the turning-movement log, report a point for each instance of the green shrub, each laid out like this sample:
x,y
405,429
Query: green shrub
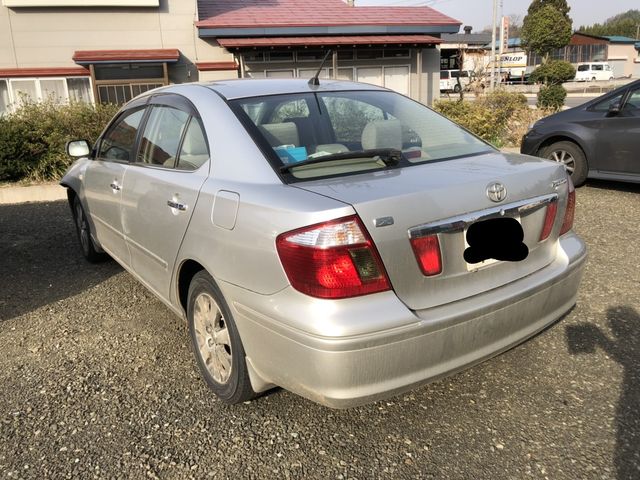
x,y
488,116
554,72
33,139
551,96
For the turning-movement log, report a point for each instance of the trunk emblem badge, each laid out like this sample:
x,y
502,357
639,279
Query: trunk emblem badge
x,y
383,222
496,192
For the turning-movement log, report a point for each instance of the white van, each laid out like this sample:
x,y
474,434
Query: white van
x,y
449,80
590,72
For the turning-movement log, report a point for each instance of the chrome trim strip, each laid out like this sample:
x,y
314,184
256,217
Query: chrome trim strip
x,y
460,222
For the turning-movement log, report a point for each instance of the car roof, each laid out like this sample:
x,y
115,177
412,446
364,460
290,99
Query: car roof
x,y
243,88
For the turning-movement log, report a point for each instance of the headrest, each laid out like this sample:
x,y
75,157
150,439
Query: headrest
x,y
382,134
280,133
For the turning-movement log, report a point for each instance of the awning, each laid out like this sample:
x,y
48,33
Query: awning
x,y
85,57
44,72
216,66
346,40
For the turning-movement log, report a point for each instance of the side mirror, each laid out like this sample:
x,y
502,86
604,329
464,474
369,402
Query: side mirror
x,y
78,148
614,109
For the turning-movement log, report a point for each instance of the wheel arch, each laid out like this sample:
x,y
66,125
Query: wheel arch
x,y
187,270
564,138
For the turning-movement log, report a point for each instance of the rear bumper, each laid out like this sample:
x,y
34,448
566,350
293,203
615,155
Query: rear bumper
x,y
346,369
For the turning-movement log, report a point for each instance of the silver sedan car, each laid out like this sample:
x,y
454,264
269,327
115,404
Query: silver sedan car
x,y
338,240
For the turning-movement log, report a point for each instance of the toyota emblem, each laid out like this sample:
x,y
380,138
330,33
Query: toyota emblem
x,y
496,192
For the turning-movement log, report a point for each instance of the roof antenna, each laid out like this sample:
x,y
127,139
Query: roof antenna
x,y
314,80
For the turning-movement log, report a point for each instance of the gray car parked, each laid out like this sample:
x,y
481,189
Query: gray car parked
x,y
339,240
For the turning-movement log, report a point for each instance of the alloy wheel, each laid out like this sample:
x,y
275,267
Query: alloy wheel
x,y
564,157
212,335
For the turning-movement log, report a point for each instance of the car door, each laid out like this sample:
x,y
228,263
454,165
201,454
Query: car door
x,y
618,139
104,179
161,188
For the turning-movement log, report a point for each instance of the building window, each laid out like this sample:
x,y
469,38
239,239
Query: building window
x,y
119,83
253,56
4,97
345,54
24,91
370,54
280,56
122,93
18,91
279,73
397,53
79,89
311,55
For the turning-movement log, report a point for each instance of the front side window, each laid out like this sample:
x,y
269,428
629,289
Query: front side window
x,y
633,102
605,105
162,134
350,132
118,143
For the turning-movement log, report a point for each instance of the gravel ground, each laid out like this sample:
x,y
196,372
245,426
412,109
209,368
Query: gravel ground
x,y
97,380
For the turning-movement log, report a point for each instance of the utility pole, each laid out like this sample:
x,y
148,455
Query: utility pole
x,y
493,45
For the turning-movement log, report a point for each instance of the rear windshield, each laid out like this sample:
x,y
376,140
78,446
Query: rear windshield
x,y
583,68
296,128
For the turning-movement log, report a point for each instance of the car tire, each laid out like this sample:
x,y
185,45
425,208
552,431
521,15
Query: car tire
x,y
456,89
593,79
572,156
216,342
83,229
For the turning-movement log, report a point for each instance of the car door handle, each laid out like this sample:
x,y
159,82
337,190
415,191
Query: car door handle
x,y
178,206
115,187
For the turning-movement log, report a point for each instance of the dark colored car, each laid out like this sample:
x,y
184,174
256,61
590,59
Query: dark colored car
x,y
600,139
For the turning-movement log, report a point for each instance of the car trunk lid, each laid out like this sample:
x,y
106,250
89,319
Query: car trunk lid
x,y
445,198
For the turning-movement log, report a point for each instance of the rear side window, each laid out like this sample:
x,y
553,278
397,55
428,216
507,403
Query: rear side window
x,y
162,134
444,75
598,68
583,68
194,152
119,141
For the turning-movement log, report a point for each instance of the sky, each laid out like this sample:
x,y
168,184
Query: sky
x,y
477,13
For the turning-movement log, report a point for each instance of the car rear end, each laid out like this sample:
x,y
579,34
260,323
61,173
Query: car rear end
x,y
446,81
381,298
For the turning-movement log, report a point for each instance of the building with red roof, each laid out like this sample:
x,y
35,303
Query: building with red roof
x,y
112,50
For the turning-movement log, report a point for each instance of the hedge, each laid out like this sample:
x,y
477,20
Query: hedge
x,y
33,138
491,117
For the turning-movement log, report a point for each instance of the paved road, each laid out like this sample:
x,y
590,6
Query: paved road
x,y
97,380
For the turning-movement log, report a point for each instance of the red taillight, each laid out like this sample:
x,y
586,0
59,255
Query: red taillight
x,y
336,259
427,251
570,212
549,220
